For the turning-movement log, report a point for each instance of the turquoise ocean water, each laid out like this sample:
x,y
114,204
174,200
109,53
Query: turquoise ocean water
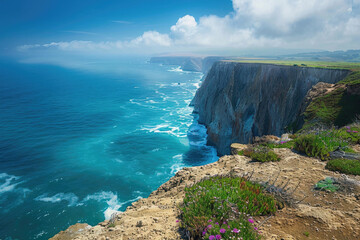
x,y
78,143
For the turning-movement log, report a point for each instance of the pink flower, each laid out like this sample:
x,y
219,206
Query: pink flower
x,y
217,223
222,230
177,220
348,130
235,230
210,220
211,237
218,236
255,228
209,226
355,131
251,221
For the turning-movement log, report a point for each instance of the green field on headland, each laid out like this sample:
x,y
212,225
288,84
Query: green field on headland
x,y
352,66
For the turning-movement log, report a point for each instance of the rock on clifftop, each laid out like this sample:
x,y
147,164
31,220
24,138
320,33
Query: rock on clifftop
x,y
238,101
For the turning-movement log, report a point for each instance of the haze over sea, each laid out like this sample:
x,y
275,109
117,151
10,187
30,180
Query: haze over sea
x,y
78,144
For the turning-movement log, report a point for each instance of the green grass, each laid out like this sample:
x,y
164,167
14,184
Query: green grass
x,y
321,144
346,166
316,64
306,234
266,156
337,107
260,153
224,202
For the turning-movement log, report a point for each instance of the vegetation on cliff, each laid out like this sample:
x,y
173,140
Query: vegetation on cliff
x,y
221,207
347,166
260,153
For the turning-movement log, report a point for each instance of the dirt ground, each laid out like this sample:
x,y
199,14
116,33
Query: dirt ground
x,y
313,215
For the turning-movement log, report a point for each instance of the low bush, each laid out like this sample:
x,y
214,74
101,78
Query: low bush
x,y
219,208
283,144
321,144
346,166
260,153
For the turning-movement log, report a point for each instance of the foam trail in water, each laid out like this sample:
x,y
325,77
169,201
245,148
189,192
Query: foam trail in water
x,y
71,198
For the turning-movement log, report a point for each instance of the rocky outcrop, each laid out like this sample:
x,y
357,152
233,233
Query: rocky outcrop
x,y
187,63
323,215
238,101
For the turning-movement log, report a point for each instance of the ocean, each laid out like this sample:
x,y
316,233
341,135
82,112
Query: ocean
x,y
79,142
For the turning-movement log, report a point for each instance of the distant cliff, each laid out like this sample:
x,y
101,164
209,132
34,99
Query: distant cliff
x,y
238,101
187,63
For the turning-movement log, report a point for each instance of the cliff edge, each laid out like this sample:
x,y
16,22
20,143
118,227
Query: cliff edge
x,y
238,101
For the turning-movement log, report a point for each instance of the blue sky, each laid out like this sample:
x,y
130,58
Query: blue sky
x,y
42,21
229,27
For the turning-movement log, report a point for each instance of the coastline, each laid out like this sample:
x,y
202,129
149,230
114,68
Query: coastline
x,y
324,215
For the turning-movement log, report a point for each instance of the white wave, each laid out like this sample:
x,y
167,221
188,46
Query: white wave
x,y
9,183
178,165
112,201
71,198
151,101
177,69
39,234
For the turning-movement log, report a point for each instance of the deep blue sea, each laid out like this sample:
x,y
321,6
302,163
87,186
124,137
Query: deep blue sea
x,y
80,142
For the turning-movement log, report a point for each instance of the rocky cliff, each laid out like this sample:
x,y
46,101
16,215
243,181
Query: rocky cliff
x,y
187,63
238,101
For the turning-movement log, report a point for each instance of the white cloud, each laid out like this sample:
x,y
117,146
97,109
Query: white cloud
x,y
317,24
151,38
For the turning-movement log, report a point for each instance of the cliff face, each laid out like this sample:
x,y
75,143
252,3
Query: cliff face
x,y
197,64
238,101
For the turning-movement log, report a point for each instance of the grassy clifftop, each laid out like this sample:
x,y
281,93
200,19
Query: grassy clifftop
x,y
340,106
352,66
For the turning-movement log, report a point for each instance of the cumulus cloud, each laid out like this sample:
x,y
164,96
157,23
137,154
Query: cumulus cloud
x,y
317,24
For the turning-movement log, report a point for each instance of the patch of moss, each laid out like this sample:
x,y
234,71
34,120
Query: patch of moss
x,y
337,107
346,166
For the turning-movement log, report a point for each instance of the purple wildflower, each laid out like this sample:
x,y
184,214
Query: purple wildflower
x,y
251,221
209,226
217,223
177,220
347,127
348,130
218,236
203,233
255,228
210,220
235,230
355,131
211,237
222,230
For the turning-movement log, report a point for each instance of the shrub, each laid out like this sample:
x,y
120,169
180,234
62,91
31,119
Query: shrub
x,y
321,144
224,203
348,133
260,153
284,144
328,184
265,156
346,166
